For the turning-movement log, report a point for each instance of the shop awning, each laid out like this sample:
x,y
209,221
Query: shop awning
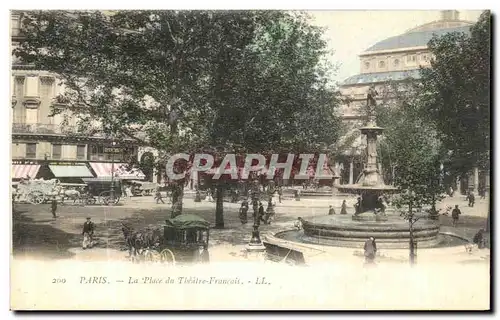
x,y
104,169
73,171
24,171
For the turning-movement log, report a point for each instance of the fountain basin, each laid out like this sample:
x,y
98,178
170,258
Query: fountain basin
x,y
343,231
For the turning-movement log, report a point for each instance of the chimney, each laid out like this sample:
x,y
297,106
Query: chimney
x,y
447,15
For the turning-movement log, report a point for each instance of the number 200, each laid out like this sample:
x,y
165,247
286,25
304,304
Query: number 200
x,y
58,280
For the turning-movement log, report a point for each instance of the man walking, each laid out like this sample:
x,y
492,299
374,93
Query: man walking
x,y
88,234
54,207
243,211
370,250
472,199
261,212
158,196
331,210
455,214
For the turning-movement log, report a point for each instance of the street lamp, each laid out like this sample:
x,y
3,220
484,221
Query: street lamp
x,y
255,244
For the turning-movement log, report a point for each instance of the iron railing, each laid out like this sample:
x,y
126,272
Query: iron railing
x,y
42,128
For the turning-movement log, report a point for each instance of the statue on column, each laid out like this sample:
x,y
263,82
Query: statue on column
x,y
371,103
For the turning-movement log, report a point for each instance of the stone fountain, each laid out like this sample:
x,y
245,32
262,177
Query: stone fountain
x,y
371,217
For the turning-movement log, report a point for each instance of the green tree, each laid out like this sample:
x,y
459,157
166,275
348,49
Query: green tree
x,y
455,94
182,81
413,147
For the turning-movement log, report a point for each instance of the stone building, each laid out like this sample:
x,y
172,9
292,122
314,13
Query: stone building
x,y
394,59
46,146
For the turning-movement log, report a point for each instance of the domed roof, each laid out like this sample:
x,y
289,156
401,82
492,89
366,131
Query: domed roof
x,y
415,38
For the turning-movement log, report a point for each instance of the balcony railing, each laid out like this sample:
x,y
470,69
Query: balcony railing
x,y
42,128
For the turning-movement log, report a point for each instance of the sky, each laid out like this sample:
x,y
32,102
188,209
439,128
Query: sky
x,y
349,33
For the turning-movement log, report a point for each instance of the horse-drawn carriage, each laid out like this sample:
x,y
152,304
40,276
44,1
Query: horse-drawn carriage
x,y
36,191
184,240
143,188
102,191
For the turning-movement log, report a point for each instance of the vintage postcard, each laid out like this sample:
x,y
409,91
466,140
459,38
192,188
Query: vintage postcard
x,y
250,160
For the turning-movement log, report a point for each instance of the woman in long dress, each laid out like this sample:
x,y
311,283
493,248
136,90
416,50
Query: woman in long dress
x,y
343,209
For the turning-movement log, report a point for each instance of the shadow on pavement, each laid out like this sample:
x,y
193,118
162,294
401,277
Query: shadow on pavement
x,y
39,239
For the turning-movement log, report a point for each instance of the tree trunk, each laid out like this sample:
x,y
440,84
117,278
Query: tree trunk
x,y
219,207
177,197
412,247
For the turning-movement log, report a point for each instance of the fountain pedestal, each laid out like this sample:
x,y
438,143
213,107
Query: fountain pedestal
x,y
370,219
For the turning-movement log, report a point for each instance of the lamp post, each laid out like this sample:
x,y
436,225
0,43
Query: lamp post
x,y
255,245
112,198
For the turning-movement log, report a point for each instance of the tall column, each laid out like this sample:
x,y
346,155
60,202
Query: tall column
x,y
194,178
155,175
351,171
476,181
459,186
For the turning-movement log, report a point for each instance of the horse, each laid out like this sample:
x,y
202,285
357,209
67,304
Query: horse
x,y
70,194
138,241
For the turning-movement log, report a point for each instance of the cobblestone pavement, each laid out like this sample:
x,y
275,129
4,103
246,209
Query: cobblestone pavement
x,y
37,234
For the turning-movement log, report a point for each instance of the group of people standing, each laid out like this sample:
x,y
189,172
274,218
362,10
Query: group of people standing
x,y
262,215
343,209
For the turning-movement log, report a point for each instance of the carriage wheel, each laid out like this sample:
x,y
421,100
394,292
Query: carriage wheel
x,y
104,200
36,197
167,256
90,200
152,256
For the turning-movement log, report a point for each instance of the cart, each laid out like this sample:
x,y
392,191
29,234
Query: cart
x,y
143,188
99,190
36,191
182,237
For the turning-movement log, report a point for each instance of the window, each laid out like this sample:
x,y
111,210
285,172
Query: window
x,y
396,62
381,64
367,65
31,150
56,151
411,58
31,116
80,152
31,87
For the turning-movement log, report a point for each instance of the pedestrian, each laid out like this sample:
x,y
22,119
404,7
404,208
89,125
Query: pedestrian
x,y
209,196
261,213
298,223
88,234
482,192
54,207
331,211
158,196
280,194
479,239
472,199
454,215
343,209
269,212
357,206
370,250
128,191
197,197
297,194
201,255
244,211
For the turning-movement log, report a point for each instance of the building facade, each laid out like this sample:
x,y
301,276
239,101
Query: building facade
x,y
396,59
46,146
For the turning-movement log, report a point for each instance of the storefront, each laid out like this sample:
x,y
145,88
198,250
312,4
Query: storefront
x,y
73,171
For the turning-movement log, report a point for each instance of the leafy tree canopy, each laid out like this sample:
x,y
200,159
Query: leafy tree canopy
x,y
455,94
